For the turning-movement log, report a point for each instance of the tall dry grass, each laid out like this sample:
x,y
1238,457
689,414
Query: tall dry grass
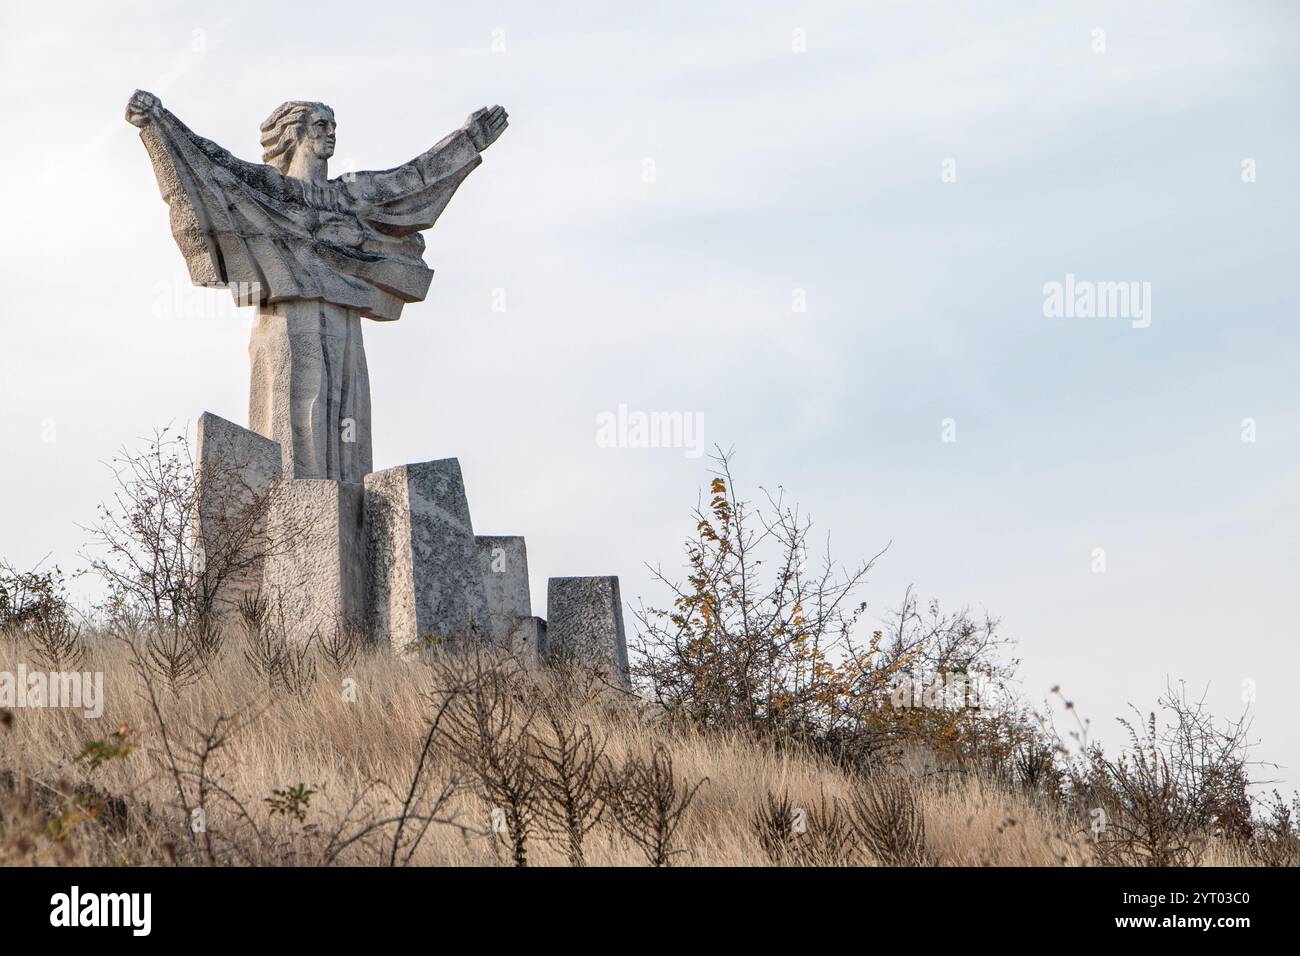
x,y
353,761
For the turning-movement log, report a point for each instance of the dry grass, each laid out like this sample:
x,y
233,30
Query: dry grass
x,y
359,758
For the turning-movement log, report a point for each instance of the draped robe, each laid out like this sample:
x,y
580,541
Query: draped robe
x,y
353,241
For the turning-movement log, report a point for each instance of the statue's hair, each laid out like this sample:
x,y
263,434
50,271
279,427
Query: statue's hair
x,y
280,131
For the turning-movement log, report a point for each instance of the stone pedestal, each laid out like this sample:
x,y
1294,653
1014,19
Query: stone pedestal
x,y
426,585
315,580
394,556
237,471
309,389
584,624
503,564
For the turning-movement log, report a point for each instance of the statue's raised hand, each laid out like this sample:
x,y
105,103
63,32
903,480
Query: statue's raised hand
x,y
142,108
485,125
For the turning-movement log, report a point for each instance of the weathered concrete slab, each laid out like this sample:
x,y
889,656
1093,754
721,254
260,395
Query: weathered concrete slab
x,y
503,564
316,580
425,580
584,623
237,471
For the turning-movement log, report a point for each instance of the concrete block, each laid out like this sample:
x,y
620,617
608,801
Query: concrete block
x,y
584,623
237,471
316,579
503,564
425,580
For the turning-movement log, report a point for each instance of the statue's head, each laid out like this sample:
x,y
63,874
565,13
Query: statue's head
x,y
297,126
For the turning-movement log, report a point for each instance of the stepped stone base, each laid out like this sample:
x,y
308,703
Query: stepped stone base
x,y
395,557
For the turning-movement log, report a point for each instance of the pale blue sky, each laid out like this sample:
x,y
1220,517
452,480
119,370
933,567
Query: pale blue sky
x,y
776,170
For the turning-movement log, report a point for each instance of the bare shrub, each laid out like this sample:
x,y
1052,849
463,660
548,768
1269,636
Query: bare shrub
x,y
340,647
488,730
381,780
648,801
1147,821
1035,767
1276,839
819,834
31,597
172,657
572,776
830,838
177,655
775,823
760,632
144,537
298,668
887,816
282,664
186,755
34,609
263,649
56,642
207,636
165,579
758,656
949,693
928,640
1174,788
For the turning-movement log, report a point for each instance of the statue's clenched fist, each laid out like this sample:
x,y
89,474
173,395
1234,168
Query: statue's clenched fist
x,y
142,108
485,125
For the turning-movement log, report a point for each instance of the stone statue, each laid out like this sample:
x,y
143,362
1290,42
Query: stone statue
x,y
314,255
322,538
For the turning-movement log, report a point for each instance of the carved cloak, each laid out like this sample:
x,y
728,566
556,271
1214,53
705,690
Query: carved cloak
x,y
354,241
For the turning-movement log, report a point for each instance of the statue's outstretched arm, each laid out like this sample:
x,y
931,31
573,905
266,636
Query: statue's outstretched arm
x,y
144,109
437,171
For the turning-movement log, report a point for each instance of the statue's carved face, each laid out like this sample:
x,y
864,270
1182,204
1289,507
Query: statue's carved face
x,y
317,135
